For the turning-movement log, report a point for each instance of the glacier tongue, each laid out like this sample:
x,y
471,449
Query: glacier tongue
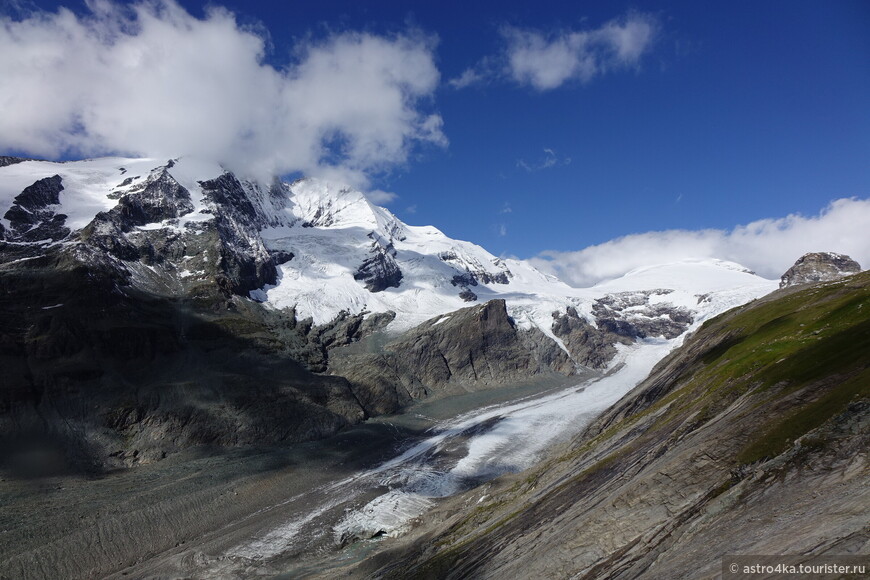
x,y
501,439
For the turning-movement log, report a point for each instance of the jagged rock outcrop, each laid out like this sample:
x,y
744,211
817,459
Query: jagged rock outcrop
x,y
474,344
32,217
245,262
379,270
819,267
6,160
467,295
633,315
473,272
205,258
621,318
160,197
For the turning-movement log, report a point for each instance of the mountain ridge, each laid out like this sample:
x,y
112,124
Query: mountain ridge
x,y
113,265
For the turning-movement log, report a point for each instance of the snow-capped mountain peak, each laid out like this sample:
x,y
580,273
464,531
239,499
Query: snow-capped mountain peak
x,y
185,226
318,203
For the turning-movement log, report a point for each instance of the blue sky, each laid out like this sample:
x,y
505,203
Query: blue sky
x,y
738,111
733,112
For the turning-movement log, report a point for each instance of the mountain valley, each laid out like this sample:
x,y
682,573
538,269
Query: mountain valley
x,y
223,378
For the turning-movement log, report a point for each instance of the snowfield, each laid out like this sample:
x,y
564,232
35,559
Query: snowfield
x,y
320,282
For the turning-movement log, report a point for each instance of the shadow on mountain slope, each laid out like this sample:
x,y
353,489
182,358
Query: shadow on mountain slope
x,y
95,378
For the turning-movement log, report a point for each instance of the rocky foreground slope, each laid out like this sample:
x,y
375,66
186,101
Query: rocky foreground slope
x,y
750,439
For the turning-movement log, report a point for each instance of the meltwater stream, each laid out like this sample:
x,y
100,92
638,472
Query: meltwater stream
x,y
457,454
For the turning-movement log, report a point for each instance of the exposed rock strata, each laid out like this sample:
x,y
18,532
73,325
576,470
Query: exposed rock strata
x,y
589,346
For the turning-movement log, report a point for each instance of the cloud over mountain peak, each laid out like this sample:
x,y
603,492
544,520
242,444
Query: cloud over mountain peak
x,y
152,79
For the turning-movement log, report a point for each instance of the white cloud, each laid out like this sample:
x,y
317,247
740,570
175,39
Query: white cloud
x,y
548,59
470,76
151,79
550,159
768,246
380,197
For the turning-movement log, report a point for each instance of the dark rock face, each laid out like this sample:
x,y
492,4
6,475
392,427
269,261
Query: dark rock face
x,y
245,262
281,256
470,349
464,280
223,255
6,160
379,271
109,379
467,295
160,198
473,344
621,318
31,217
589,346
487,278
819,267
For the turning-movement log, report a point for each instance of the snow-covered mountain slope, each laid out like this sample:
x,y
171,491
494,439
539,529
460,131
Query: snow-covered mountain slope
x,y
323,249
350,255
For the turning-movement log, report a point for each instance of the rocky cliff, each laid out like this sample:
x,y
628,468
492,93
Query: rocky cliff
x,y
819,267
482,347
750,439
470,349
